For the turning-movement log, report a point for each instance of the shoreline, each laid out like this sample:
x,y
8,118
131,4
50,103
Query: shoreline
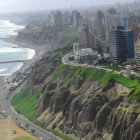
x,y
40,51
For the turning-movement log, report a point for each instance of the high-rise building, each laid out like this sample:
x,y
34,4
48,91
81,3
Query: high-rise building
x,y
100,24
137,53
56,18
84,35
125,22
121,44
136,31
76,18
65,18
134,20
112,20
91,40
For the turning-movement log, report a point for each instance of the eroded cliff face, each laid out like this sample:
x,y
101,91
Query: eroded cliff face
x,y
39,36
85,110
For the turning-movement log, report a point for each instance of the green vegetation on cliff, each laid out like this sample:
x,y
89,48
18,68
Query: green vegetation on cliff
x,y
64,76
135,93
61,135
94,74
24,104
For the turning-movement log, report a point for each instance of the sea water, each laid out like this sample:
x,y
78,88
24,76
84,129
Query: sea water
x,y
11,52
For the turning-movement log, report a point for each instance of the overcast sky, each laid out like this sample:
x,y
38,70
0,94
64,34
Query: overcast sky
x,y
26,5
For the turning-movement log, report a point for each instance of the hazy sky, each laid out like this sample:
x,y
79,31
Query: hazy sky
x,y
24,5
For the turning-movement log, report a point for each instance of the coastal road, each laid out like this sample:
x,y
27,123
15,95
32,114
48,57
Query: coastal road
x,y
6,108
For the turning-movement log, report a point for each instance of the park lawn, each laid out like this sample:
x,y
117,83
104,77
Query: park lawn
x,y
24,104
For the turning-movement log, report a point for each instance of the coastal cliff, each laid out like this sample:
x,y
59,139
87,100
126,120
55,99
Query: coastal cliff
x,y
84,103
52,36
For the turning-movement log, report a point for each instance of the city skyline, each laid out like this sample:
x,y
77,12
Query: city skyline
x,y
30,5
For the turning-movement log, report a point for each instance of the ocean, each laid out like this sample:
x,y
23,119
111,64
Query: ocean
x,y
11,52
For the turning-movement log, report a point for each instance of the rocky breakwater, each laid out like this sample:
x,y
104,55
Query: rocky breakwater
x,y
84,109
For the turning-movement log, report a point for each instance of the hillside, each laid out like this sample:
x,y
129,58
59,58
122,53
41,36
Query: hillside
x,y
83,103
53,36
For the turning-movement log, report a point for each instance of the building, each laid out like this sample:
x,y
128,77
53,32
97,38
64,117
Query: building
x,y
56,18
112,20
121,44
65,18
136,30
125,22
91,40
76,19
78,46
134,20
86,55
137,53
84,35
100,24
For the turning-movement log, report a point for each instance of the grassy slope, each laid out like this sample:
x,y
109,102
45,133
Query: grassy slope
x,y
93,74
24,104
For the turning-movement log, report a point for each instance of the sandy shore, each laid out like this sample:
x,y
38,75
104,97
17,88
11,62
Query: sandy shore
x,y
40,50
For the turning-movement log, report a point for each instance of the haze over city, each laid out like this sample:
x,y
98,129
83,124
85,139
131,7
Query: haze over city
x,y
29,5
70,70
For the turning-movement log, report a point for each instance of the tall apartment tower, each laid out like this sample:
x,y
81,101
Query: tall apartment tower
x,y
76,18
121,44
56,18
137,53
100,23
112,20
84,35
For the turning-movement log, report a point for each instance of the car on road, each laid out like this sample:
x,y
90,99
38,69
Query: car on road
x,y
14,131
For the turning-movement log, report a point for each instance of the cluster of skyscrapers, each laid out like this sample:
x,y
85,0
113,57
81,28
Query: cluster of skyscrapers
x,y
118,36
107,31
57,18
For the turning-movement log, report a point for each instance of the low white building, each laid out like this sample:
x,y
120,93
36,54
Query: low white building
x,y
86,55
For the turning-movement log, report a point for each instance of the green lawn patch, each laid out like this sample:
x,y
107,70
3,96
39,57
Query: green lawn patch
x,y
61,135
135,93
24,104
24,138
70,36
92,73
126,81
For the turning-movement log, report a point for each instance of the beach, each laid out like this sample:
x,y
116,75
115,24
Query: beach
x,y
8,81
40,50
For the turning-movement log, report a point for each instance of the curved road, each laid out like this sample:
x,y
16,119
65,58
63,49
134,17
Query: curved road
x,y
7,109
